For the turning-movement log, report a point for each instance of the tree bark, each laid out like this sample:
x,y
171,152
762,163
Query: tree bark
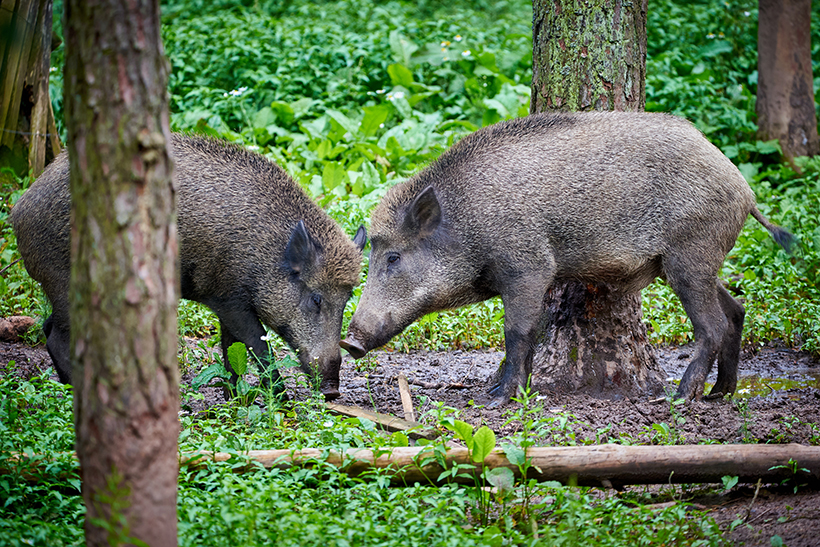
x,y
124,287
27,129
591,56
785,89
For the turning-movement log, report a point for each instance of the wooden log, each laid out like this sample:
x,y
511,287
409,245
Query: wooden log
x,y
387,422
406,399
579,465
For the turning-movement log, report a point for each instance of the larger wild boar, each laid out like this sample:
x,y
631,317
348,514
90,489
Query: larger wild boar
x,y
616,197
253,247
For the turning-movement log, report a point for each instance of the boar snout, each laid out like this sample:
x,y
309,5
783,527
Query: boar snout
x,y
353,347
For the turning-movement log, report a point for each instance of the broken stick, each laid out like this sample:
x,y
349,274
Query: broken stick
x,y
387,422
406,400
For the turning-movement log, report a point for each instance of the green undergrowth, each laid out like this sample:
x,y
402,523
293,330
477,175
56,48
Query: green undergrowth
x,y
353,97
318,505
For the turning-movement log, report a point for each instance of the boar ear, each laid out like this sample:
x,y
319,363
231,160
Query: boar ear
x,y
301,251
360,239
424,214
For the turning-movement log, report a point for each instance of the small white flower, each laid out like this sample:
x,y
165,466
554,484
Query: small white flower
x,y
396,95
445,43
381,125
238,92
267,337
465,53
255,148
225,94
446,58
380,91
53,69
328,423
457,38
710,36
747,13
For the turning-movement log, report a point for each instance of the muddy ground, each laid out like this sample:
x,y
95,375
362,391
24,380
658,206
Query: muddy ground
x,y
780,404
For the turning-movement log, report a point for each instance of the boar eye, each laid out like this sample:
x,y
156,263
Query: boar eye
x,y
317,300
392,258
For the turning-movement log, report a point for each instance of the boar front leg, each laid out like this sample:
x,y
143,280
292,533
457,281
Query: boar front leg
x,y
522,313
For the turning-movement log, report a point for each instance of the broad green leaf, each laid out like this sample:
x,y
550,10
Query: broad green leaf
x,y
374,116
715,48
242,387
464,431
349,125
284,112
238,358
216,370
400,75
399,438
768,147
264,117
515,455
401,47
483,443
502,478
332,175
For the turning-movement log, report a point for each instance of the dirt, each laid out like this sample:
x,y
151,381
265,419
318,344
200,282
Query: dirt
x,y
780,389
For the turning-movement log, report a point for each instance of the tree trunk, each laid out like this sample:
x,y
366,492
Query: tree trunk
x,y
785,89
124,287
591,56
28,134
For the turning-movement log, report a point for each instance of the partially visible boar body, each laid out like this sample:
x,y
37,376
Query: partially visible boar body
x,y
253,247
616,197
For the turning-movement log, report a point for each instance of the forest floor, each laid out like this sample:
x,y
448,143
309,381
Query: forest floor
x,y
779,403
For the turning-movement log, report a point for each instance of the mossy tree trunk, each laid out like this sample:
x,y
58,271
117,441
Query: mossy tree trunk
x,y
785,89
124,287
591,56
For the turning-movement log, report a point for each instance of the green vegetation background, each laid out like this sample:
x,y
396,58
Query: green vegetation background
x,y
352,97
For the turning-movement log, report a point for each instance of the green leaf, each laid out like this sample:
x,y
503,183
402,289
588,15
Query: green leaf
x,y
502,478
284,112
768,147
349,125
715,48
217,370
374,116
401,47
264,118
483,443
493,537
238,358
242,387
464,431
515,455
332,175
399,438
400,75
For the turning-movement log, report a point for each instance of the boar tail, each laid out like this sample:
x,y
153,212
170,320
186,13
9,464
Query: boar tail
x,y
783,237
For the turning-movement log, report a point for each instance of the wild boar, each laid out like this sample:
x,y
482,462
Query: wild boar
x,y
605,196
253,247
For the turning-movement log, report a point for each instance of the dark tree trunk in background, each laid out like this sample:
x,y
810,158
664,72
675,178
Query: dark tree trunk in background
x,y
124,286
28,134
591,56
785,89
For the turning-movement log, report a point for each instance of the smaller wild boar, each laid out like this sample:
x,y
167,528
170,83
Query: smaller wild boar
x,y
253,247
608,196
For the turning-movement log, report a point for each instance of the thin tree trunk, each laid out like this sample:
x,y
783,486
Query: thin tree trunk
x,y
785,89
591,56
124,287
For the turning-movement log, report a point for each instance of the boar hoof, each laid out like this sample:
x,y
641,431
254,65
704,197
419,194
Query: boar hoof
x,y
331,394
353,347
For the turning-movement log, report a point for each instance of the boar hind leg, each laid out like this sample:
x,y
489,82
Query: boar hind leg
x,y
522,312
699,296
729,355
58,345
244,326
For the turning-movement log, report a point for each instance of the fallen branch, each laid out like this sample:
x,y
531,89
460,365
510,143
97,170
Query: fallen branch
x,y
579,465
388,423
